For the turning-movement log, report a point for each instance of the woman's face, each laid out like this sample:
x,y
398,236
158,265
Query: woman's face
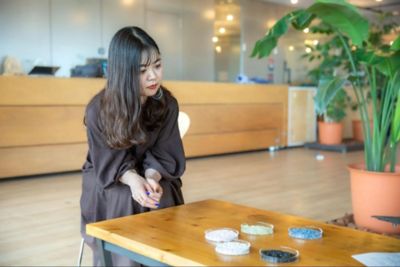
x,y
150,75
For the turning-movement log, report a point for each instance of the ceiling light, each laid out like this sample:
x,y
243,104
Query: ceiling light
x,y
291,48
215,39
127,2
222,30
218,49
271,23
294,1
308,42
378,0
209,14
391,42
306,30
315,42
229,17
308,50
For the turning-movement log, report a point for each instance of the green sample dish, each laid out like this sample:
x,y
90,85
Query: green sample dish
x,y
259,228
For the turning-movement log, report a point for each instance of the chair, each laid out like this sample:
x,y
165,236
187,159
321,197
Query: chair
x,y
79,263
183,125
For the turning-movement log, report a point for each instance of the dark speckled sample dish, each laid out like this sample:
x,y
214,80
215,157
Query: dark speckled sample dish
x,y
279,254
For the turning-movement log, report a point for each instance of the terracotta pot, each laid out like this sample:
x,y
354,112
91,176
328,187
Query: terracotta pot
x,y
375,193
330,133
358,133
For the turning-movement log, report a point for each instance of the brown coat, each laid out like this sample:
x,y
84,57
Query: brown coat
x,y
103,196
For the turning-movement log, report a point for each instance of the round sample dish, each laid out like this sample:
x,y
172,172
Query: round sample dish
x,y
259,228
279,254
218,235
306,232
233,248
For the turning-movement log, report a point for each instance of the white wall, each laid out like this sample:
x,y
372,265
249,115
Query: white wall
x,y
25,31
75,32
67,32
255,19
198,51
117,16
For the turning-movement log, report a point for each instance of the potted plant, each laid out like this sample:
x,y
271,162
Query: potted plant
x,y
375,183
385,26
330,105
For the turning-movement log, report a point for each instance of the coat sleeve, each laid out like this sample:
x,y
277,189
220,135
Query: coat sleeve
x,y
167,155
109,164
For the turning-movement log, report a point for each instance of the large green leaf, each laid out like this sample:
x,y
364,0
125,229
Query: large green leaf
x,y
396,44
369,57
396,120
343,17
390,64
264,46
327,89
338,2
301,19
321,28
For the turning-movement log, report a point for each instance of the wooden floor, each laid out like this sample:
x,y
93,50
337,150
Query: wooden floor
x,y
39,216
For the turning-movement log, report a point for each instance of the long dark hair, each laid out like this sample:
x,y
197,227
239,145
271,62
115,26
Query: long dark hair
x,y
124,120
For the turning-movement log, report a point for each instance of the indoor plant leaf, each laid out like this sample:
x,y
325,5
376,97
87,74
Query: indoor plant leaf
x,y
368,57
390,64
264,46
301,19
396,120
396,44
327,89
344,17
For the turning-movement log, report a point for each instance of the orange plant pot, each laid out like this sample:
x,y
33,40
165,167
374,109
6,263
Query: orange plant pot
x,y
330,133
375,193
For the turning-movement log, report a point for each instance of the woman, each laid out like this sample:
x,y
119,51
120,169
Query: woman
x,y
135,158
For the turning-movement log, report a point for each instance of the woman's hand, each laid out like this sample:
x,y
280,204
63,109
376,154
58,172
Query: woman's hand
x,y
153,177
157,190
142,191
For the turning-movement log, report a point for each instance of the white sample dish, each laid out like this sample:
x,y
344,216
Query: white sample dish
x,y
233,248
218,235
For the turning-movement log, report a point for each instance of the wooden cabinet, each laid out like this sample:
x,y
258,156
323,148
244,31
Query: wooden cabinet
x,y
41,124
42,130
301,116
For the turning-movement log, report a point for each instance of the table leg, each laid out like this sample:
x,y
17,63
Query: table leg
x,y
105,255
146,261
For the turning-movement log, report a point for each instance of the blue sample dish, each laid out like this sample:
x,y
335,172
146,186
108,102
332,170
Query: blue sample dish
x,y
308,232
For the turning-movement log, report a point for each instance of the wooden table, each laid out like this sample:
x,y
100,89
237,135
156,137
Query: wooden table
x,y
175,236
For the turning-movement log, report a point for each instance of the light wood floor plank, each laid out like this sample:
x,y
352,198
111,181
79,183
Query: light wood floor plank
x,y
39,216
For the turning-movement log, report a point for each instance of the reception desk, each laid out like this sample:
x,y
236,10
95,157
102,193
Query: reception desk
x,y
42,130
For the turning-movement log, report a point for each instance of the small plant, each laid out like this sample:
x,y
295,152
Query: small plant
x,y
332,59
331,100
